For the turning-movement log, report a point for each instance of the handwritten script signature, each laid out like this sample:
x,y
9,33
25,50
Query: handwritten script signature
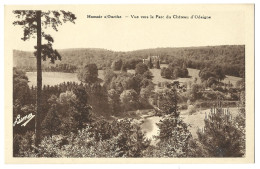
x,y
26,119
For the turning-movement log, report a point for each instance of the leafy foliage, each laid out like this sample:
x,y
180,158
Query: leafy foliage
x,y
141,68
117,64
167,101
221,137
88,74
174,71
21,91
28,20
80,108
52,122
23,145
129,99
174,137
98,99
195,93
166,73
212,72
116,139
113,100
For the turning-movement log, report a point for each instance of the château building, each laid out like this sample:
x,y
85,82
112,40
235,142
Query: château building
x,y
152,62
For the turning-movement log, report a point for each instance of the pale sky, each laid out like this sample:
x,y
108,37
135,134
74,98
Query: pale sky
x,y
226,27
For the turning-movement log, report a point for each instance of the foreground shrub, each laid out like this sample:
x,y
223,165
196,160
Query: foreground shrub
x,y
221,136
23,145
123,140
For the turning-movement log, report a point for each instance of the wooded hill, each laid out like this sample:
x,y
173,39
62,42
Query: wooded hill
x,y
231,58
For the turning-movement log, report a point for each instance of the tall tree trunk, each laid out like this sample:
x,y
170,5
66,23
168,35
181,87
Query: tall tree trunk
x,y
39,81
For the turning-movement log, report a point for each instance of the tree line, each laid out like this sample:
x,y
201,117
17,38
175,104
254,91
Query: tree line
x,y
66,68
230,58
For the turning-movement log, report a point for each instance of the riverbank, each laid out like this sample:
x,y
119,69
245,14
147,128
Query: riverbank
x,y
195,122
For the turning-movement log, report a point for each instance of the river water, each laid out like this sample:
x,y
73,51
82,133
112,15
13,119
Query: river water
x,y
196,121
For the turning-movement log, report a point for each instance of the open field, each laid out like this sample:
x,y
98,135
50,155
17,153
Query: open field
x,y
193,73
54,78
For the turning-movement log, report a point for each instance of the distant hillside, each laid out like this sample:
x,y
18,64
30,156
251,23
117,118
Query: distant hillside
x,y
76,57
230,57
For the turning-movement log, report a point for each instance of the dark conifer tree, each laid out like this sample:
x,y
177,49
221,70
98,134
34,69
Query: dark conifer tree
x,y
32,22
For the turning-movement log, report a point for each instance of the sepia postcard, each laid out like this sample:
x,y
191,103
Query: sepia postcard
x,y
129,83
